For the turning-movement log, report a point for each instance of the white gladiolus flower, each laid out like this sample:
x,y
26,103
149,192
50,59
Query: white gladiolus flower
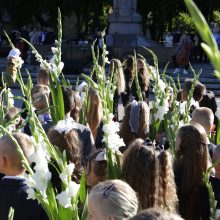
x,y
194,103
161,111
161,84
73,188
217,213
154,74
31,194
68,172
65,197
60,67
114,141
29,181
182,107
54,50
106,60
111,137
111,127
10,98
38,157
20,62
41,179
217,113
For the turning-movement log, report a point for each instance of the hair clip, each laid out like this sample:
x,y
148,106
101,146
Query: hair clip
x,y
101,156
107,191
148,142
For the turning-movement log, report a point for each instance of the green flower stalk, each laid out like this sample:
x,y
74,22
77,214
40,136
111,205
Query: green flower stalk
x,y
186,118
11,214
54,67
211,49
140,96
106,92
160,105
210,46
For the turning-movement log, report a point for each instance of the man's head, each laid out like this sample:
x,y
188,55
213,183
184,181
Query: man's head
x,y
203,116
10,163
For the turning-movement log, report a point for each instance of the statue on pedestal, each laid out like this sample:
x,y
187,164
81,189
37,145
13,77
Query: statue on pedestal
x,y
125,9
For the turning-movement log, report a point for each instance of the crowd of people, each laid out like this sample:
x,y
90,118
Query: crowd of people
x,y
35,35
153,185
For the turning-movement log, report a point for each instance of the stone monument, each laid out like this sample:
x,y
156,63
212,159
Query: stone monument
x,y
124,19
125,29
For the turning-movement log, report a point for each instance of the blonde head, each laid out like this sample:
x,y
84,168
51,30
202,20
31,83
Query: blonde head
x,y
115,199
203,116
9,152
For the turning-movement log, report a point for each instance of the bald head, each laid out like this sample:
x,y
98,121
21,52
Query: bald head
x,y
203,116
8,153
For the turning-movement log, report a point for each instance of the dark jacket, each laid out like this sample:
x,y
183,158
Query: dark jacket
x,y
13,194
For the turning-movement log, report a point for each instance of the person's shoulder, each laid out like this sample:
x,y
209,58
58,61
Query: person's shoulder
x,y
13,183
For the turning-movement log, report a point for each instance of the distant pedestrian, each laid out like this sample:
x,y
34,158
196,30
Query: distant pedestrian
x,y
181,59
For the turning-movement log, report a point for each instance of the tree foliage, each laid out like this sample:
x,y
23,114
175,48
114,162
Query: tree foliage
x,y
93,14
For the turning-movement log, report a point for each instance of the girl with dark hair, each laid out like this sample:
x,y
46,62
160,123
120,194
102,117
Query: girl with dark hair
x,y
150,174
192,161
135,123
68,141
129,77
83,134
97,170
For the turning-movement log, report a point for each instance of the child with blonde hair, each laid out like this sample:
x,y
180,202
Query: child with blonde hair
x,y
156,214
205,117
13,185
112,200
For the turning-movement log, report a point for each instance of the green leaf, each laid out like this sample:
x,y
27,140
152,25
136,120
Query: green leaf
x,y
82,189
11,214
218,133
85,209
201,24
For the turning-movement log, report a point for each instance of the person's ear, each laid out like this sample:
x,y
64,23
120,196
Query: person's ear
x,y
4,162
212,127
